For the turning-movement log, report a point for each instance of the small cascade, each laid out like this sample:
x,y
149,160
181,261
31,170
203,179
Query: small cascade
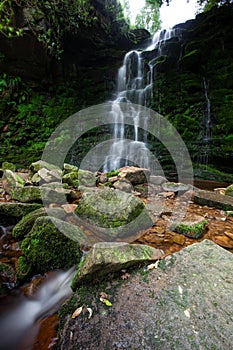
x,y
15,325
134,87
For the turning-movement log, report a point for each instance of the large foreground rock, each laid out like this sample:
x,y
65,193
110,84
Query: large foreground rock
x,y
105,258
16,210
185,303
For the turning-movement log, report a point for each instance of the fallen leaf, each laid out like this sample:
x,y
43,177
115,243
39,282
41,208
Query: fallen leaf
x,y
153,266
106,302
125,276
90,312
103,295
77,312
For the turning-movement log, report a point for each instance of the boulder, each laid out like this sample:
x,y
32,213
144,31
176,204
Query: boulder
x,y
51,244
49,175
119,212
184,303
105,258
123,185
11,180
157,180
86,178
212,199
24,226
36,166
68,168
17,210
8,166
175,187
135,175
229,191
71,178
29,194
192,227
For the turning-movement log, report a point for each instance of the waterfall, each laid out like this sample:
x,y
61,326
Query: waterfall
x,y
15,325
134,86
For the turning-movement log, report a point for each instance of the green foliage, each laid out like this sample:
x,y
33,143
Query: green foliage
x,y
48,20
149,17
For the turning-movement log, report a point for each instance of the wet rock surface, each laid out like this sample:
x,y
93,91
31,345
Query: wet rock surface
x,y
184,303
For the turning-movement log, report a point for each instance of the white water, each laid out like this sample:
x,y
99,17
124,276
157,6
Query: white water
x,y
16,325
135,86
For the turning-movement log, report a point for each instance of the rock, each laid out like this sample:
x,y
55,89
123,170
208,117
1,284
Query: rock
x,y
7,274
193,226
49,175
220,191
135,175
86,178
223,240
212,199
68,168
105,258
24,226
119,212
72,179
103,178
229,191
175,187
36,166
29,194
51,244
8,166
179,239
36,179
157,180
123,185
184,303
11,180
229,213
17,210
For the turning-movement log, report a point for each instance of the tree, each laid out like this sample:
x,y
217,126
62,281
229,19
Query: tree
x,y
149,17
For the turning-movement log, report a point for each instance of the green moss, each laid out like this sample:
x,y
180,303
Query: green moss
x,y
46,248
112,173
195,230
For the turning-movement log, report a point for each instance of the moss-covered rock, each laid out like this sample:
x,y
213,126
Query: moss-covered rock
x,y
71,178
36,166
68,168
24,226
175,187
229,191
8,166
17,210
193,227
51,244
213,200
105,258
11,180
119,212
29,194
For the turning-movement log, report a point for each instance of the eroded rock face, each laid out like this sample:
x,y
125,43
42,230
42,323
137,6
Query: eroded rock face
x,y
105,258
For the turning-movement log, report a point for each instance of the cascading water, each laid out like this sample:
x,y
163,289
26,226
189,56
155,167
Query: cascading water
x,y
134,86
15,325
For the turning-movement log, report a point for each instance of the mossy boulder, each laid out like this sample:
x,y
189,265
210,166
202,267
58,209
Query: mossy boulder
x,y
11,180
71,178
17,210
212,199
86,178
193,227
175,187
229,191
51,244
8,166
68,168
24,226
119,212
36,166
29,194
105,258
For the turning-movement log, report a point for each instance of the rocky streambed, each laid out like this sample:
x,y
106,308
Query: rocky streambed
x,y
54,218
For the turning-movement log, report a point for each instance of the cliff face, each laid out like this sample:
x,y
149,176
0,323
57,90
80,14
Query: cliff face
x,y
194,86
